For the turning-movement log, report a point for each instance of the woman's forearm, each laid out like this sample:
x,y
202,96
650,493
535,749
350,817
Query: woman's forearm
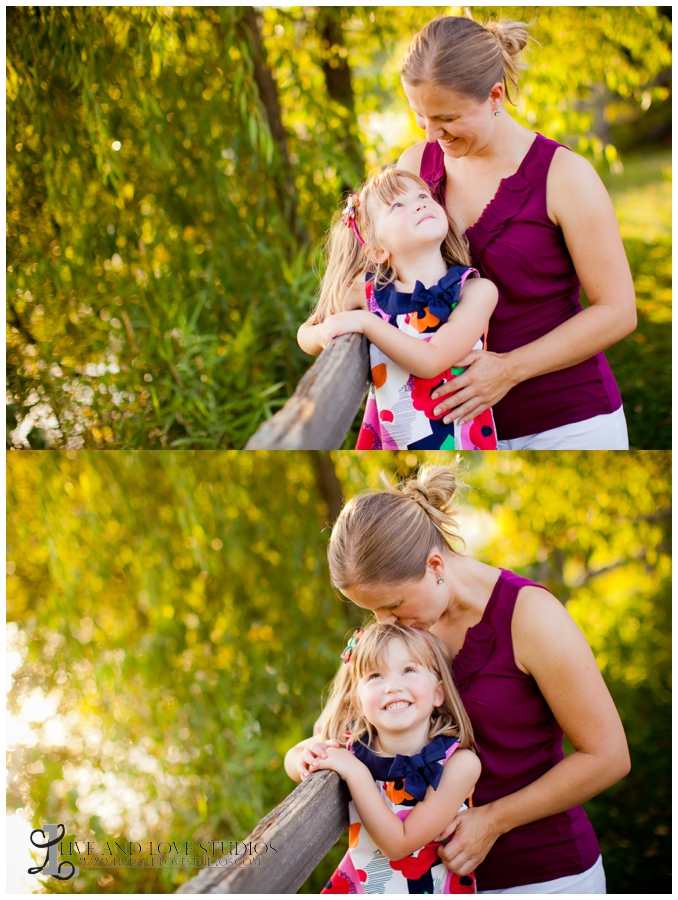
x,y
579,338
571,782
307,338
292,759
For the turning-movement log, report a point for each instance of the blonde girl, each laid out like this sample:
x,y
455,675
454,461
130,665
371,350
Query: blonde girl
x,y
396,732
399,273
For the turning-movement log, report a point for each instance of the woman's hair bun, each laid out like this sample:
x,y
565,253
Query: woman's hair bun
x,y
437,486
512,37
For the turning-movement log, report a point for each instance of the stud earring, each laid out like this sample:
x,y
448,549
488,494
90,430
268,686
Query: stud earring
x,y
441,581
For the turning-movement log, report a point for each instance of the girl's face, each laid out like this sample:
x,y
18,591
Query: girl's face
x,y
399,695
461,125
419,604
412,220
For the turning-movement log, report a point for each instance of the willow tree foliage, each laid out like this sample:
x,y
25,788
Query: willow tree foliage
x,y
171,172
172,627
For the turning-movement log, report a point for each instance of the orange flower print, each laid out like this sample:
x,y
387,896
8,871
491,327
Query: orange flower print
x,y
395,791
428,321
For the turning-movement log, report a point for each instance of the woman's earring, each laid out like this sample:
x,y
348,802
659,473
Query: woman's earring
x,y
497,112
441,581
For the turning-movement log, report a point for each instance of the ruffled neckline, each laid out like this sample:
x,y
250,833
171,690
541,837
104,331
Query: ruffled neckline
x,y
417,771
508,201
478,643
509,198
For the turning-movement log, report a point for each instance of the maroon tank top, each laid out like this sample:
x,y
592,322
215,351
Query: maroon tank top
x,y
518,741
517,246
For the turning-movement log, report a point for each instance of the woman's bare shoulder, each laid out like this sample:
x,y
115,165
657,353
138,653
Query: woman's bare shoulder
x,y
411,158
569,169
572,180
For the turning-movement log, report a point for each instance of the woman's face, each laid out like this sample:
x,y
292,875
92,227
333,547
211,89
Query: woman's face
x,y
419,604
461,125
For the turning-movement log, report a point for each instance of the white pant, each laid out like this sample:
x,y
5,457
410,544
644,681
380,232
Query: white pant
x,y
606,432
590,882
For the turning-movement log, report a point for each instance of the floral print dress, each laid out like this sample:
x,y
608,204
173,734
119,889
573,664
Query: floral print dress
x,y
399,411
402,782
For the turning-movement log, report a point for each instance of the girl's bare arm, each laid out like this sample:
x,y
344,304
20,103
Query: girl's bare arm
x,y
425,359
394,837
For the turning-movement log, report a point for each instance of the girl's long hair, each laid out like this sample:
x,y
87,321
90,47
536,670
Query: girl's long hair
x,y
342,719
346,256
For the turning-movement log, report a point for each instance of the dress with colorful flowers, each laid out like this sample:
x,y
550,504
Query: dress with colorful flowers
x,y
399,411
402,782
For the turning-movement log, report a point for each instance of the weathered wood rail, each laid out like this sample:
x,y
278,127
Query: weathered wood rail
x,y
302,829
320,412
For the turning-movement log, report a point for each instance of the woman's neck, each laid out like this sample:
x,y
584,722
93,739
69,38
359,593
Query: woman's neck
x,y
428,267
509,144
471,585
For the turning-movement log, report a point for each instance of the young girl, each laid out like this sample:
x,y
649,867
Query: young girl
x,y
407,758
396,259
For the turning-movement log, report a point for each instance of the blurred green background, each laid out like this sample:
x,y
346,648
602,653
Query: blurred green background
x,y
172,627
171,172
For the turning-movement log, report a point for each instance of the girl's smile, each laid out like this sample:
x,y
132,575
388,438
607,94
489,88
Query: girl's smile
x,y
399,695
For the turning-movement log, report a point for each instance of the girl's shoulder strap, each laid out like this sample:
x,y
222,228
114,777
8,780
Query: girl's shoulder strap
x,y
450,750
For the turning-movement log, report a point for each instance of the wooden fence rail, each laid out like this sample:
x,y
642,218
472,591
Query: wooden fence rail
x,y
325,403
297,834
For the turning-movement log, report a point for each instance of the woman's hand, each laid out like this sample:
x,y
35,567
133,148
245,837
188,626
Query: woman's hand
x,y
351,322
488,377
473,835
312,755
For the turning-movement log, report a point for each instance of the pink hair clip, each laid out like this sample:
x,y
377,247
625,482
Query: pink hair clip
x,y
349,214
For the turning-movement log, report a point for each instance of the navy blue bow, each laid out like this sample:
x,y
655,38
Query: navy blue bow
x,y
440,298
418,771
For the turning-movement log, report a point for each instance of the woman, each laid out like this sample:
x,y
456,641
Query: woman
x,y
539,223
525,674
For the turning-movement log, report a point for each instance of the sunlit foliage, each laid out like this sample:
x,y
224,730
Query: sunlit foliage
x,y
172,627
171,171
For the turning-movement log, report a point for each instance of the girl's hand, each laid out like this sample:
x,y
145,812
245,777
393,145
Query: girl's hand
x,y
351,322
487,379
473,835
339,760
312,755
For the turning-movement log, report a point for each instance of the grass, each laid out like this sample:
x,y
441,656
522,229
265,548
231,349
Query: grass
x,y
642,361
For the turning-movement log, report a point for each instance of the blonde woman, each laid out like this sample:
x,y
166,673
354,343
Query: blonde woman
x,y
525,675
539,224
